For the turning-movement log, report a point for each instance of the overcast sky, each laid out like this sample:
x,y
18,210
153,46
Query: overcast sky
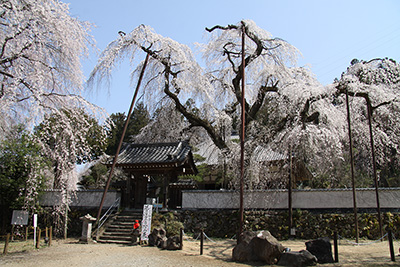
x,y
329,33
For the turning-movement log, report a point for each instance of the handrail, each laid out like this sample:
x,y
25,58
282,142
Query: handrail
x,y
107,214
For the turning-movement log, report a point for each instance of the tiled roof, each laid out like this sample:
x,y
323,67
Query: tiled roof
x,y
158,153
212,154
262,154
184,183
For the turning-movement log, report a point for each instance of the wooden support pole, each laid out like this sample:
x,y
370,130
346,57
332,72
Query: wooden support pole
x,y
181,239
290,186
122,137
12,232
201,242
6,244
26,233
50,235
335,246
242,136
66,217
390,239
38,238
378,207
352,167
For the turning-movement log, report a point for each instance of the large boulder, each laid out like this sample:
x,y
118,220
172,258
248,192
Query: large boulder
x,y
159,239
163,243
260,246
297,259
321,248
157,236
173,243
242,250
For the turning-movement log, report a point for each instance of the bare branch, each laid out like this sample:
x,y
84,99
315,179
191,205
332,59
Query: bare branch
x,y
229,27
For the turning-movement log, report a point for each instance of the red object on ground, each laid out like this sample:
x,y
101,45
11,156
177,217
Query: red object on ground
x,y
136,225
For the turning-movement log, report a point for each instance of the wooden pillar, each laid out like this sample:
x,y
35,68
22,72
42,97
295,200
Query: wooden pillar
x,y
140,192
129,191
166,193
290,187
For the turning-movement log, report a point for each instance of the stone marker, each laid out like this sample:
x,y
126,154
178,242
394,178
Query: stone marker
x,y
86,228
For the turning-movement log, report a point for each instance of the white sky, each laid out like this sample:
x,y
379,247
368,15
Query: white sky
x,y
329,33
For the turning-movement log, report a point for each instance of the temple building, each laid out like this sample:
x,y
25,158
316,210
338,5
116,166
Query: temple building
x,y
153,171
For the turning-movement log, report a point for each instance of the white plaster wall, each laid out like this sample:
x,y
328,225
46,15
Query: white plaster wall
x,y
89,198
302,199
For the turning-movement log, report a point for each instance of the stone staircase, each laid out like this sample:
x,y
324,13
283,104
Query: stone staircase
x,y
119,230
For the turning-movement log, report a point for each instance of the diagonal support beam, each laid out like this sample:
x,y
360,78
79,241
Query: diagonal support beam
x,y
122,137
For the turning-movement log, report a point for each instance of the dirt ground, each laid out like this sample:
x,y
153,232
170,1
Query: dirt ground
x,y
68,253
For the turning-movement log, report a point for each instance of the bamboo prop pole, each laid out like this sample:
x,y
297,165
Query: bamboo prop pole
x,y
122,137
352,167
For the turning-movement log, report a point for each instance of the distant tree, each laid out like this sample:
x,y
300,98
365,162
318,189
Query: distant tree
x,y
21,173
41,47
140,117
96,178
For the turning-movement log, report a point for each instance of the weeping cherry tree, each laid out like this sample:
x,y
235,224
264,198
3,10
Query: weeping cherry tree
x,y
41,48
374,88
174,78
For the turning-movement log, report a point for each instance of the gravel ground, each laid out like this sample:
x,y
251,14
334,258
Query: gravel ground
x,y
69,253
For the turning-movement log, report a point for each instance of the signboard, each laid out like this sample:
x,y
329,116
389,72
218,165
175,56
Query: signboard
x,y
146,222
34,228
34,220
20,217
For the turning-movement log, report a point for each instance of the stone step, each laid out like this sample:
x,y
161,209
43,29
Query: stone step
x,y
127,218
107,233
111,237
120,230
121,226
121,242
118,222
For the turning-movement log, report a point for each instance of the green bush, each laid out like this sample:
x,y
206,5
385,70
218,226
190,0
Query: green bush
x,y
168,221
173,228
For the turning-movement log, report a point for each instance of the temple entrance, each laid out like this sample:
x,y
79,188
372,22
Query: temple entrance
x,y
151,169
139,191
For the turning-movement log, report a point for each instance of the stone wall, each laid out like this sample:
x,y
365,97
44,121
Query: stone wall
x,y
309,225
